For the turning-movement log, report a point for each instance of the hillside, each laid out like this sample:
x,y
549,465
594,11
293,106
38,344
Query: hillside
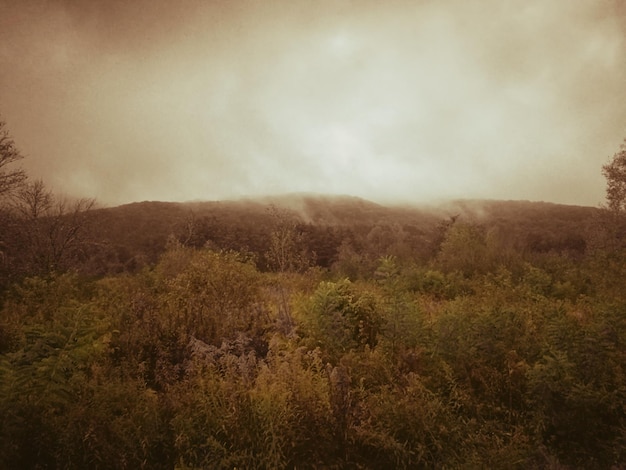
x,y
314,332
137,233
324,230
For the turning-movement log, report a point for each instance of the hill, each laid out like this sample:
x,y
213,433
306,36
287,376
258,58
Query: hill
x,y
136,234
463,335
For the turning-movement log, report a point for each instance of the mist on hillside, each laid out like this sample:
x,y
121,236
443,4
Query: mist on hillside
x,y
393,102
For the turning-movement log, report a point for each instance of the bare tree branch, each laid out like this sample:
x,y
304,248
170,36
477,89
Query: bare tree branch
x,y
10,179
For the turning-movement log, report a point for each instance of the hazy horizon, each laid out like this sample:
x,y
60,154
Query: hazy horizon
x,y
401,101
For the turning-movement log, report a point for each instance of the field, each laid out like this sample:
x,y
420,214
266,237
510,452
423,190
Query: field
x,y
315,332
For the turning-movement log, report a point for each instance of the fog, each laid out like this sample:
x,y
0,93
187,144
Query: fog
x,y
404,101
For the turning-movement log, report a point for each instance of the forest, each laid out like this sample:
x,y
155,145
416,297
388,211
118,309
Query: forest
x,y
307,331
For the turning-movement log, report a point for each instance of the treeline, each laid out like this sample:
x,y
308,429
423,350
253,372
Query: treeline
x,y
328,231
316,336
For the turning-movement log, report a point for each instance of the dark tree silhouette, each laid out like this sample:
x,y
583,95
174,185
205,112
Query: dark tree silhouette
x,y
615,174
10,178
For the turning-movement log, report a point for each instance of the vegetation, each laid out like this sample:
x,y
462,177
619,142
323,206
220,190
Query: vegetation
x,y
10,177
615,174
333,334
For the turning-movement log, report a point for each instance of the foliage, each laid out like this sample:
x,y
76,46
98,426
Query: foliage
x,y
287,251
341,317
483,351
464,249
615,174
215,297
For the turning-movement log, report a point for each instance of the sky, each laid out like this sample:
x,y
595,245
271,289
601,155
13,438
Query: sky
x,y
394,101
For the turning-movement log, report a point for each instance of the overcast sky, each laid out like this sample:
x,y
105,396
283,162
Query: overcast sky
x,y
388,100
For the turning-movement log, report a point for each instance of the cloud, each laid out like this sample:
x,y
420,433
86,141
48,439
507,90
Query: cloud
x,y
391,101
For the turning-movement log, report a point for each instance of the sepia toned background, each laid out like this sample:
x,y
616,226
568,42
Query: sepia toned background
x,y
392,101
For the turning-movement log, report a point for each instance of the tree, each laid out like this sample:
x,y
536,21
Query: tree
x,y
464,249
34,200
10,179
214,298
287,251
51,230
615,174
609,233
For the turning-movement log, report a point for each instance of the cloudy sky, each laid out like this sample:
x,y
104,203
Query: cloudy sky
x,y
392,101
